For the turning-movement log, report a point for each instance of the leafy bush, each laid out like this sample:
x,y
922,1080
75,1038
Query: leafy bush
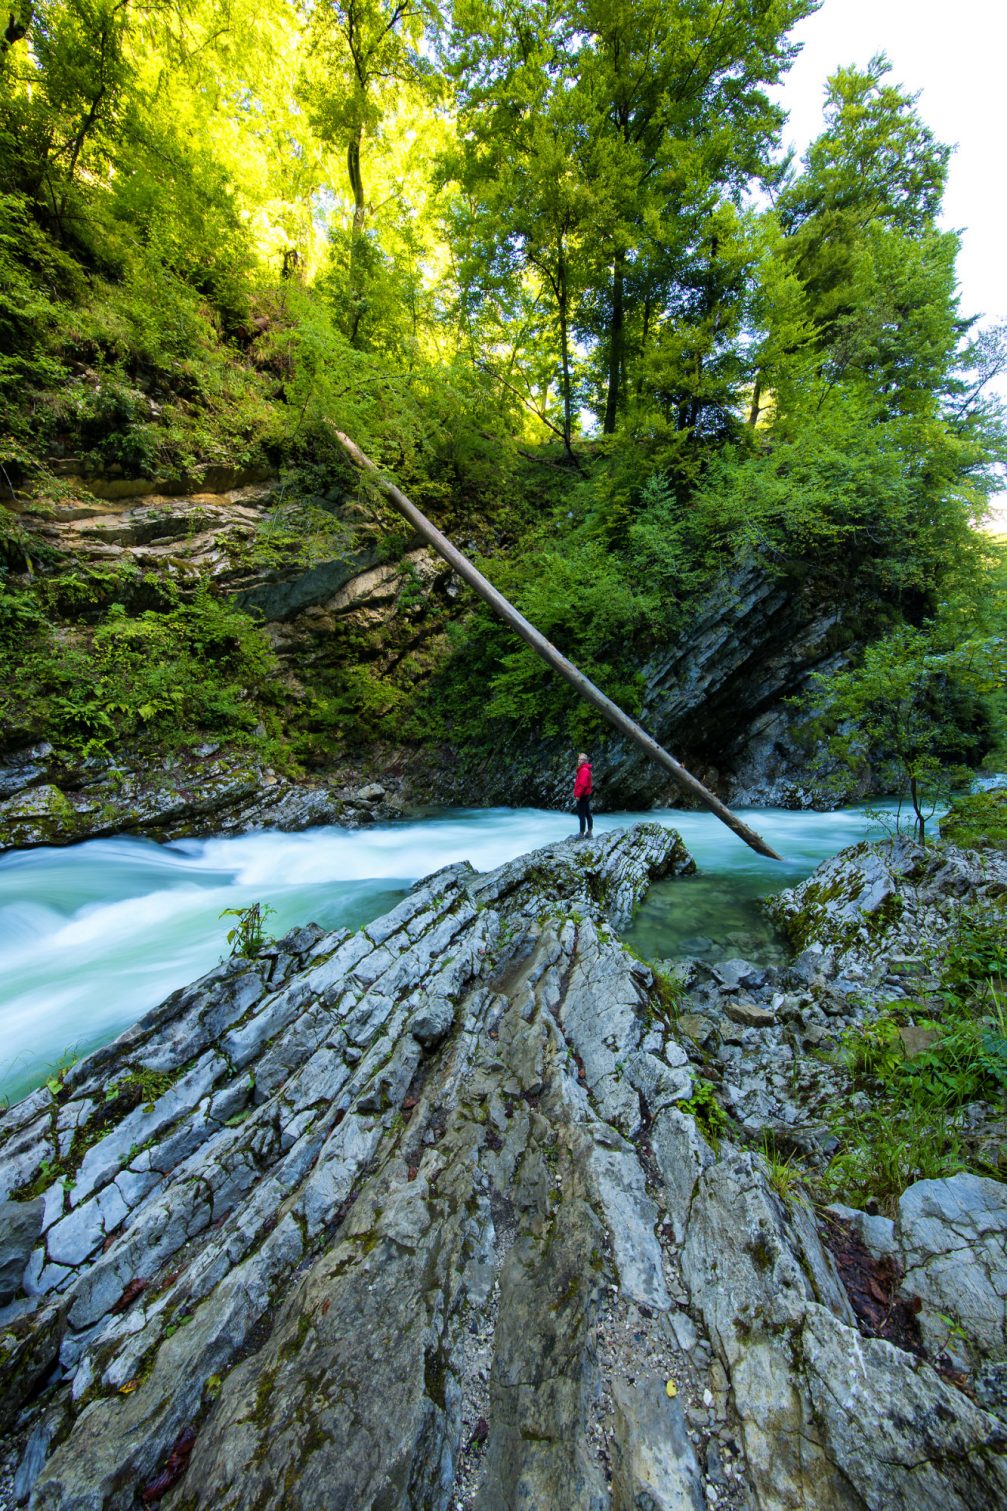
x,y
604,586
202,666
22,620
706,1109
977,821
913,710
913,1129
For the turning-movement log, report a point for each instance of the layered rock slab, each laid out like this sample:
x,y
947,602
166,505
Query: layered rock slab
x,y
829,1418
303,1145
420,1217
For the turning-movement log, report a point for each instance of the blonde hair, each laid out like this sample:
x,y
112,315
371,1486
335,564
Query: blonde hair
x,y
582,759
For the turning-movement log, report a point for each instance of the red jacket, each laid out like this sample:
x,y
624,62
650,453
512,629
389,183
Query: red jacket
x,y
582,783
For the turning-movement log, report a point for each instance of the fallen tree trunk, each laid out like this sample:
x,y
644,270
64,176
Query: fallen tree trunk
x,y
550,655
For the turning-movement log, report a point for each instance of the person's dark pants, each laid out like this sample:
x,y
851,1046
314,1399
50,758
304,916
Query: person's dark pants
x,y
584,814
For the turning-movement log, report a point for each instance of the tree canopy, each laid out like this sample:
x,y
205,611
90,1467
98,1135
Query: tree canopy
x,y
558,236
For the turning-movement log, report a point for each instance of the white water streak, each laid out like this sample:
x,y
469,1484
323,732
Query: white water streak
x,y
93,936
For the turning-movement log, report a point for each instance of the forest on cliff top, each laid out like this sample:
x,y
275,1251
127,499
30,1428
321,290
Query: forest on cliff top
x,y
546,262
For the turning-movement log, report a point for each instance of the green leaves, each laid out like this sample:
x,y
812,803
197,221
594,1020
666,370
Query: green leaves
x,y
706,1109
200,666
913,709
218,241
876,159
248,937
603,147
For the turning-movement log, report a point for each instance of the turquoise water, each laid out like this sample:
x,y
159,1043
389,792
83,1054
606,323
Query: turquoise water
x,y
716,914
93,935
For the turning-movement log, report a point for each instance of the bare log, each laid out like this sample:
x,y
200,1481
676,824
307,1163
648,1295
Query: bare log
x,y
544,648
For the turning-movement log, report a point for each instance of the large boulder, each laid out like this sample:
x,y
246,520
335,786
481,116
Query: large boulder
x,y
952,1239
20,1225
874,901
830,1419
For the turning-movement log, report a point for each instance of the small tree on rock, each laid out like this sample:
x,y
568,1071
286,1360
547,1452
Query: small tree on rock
x,y
914,713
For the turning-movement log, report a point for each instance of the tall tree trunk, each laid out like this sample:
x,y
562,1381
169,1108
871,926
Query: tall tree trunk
x,y
84,130
563,306
756,410
920,820
550,655
356,180
616,343
644,341
357,270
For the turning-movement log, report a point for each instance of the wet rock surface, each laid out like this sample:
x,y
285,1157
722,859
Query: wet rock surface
x,y
426,1216
208,791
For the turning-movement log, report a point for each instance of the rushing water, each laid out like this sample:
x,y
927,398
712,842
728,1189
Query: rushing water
x,y
93,935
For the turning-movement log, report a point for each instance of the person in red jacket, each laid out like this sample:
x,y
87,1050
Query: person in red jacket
x,y
582,796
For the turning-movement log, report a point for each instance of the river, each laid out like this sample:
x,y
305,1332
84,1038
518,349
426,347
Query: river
x,y
93,935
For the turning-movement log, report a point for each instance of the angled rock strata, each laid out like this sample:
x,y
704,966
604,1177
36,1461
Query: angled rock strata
x,y
421,1217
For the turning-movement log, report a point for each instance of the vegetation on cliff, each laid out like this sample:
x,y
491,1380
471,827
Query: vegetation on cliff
x,y
549,267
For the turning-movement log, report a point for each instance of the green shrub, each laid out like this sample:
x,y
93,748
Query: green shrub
x,y
977,821
248,937
706,1109
163,676
912,1128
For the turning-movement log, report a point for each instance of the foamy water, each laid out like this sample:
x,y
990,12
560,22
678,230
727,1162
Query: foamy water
x,y
94,935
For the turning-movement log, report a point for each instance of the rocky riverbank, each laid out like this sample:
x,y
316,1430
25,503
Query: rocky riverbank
x,y
867,931
469,1209
211,790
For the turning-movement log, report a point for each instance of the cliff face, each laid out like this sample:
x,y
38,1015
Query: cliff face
x,y
358,635
717,699
435,1215
719,696
325,604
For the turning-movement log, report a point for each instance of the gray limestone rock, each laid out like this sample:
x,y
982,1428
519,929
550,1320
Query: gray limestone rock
x,y
373,792
632,1219
829,1418
876,1233
750,1014
653,1462
29,1347
952,1238
990,1386
732,975
410,1219
682,1155
872,902
20,1225
659,1083
430,1022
